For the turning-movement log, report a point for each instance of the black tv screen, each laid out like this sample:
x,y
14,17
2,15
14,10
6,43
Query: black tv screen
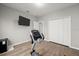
x,y
24,21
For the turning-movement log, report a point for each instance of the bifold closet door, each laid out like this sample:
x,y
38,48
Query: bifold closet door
x,y
59,31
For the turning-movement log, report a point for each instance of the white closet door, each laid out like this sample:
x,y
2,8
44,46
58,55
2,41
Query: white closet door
x,y
67,31
56,31
59,31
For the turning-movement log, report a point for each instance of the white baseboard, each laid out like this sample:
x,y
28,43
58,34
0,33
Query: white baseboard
x,y
11,47
19,43
74,48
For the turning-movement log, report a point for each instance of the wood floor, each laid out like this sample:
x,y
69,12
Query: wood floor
x,y
45,48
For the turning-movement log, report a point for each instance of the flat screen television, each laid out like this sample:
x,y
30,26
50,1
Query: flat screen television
x,y
24,21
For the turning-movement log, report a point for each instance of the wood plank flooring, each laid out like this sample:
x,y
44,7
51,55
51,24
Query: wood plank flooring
x,y
44,48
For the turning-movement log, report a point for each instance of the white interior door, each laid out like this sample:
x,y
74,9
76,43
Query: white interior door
x,y
59,31
36,25
41,27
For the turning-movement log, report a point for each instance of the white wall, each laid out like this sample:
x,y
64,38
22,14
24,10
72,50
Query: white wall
x,y
70,11
9,27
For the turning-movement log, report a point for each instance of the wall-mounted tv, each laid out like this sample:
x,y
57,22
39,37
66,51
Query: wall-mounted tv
x,y
24,21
